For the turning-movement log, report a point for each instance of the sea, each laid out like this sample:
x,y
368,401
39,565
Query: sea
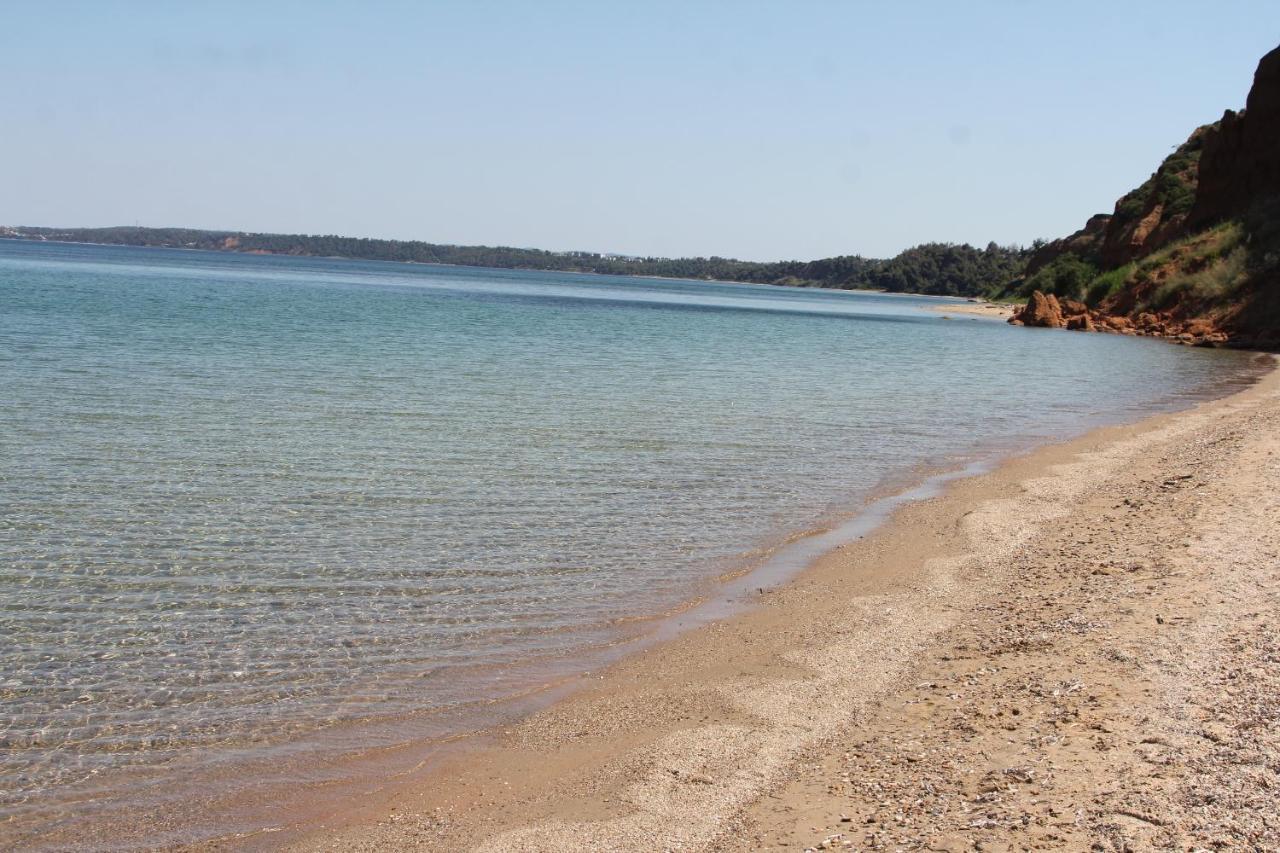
x,y
270,523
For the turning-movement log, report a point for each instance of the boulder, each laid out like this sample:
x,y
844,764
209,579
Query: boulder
x,y
1148,322
1212,339
1040,310
1081,322
1200,327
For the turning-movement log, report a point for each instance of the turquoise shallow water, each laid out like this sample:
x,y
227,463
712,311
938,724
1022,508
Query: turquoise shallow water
x,y
243,499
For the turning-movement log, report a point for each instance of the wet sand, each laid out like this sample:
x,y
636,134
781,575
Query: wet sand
x,y
1080,648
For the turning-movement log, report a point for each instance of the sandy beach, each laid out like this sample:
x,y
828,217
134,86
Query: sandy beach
x,y
979,308
1079,648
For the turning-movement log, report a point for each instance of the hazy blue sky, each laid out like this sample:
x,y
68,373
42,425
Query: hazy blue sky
x,y
758,130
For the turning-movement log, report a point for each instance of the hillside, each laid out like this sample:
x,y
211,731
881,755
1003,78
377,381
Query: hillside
x,y
1193,253
940,269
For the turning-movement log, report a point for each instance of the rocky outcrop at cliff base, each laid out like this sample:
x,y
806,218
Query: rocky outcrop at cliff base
x,y
1049,312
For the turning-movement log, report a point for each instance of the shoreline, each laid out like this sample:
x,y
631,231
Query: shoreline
x,y
258,792
383,778
692,738
979,308
244,779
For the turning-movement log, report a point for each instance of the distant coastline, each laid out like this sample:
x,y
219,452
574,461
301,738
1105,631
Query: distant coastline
x,y
979,306
930,269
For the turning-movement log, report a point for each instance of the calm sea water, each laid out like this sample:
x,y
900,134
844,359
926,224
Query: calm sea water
x,y
243,499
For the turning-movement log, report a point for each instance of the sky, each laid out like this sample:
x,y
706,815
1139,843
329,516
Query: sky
x,y
764,131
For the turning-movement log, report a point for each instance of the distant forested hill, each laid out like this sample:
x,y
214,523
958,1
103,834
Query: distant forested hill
x,y
944,269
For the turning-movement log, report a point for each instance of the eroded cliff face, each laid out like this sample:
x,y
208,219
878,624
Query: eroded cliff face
x,y
1240,162
1194,252
1143,220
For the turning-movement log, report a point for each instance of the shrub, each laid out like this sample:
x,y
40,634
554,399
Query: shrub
x,y
1221,277
1066,275
1108,283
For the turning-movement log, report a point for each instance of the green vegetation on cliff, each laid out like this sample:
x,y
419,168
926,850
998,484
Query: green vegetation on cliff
x,y
1194,247
1173,186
